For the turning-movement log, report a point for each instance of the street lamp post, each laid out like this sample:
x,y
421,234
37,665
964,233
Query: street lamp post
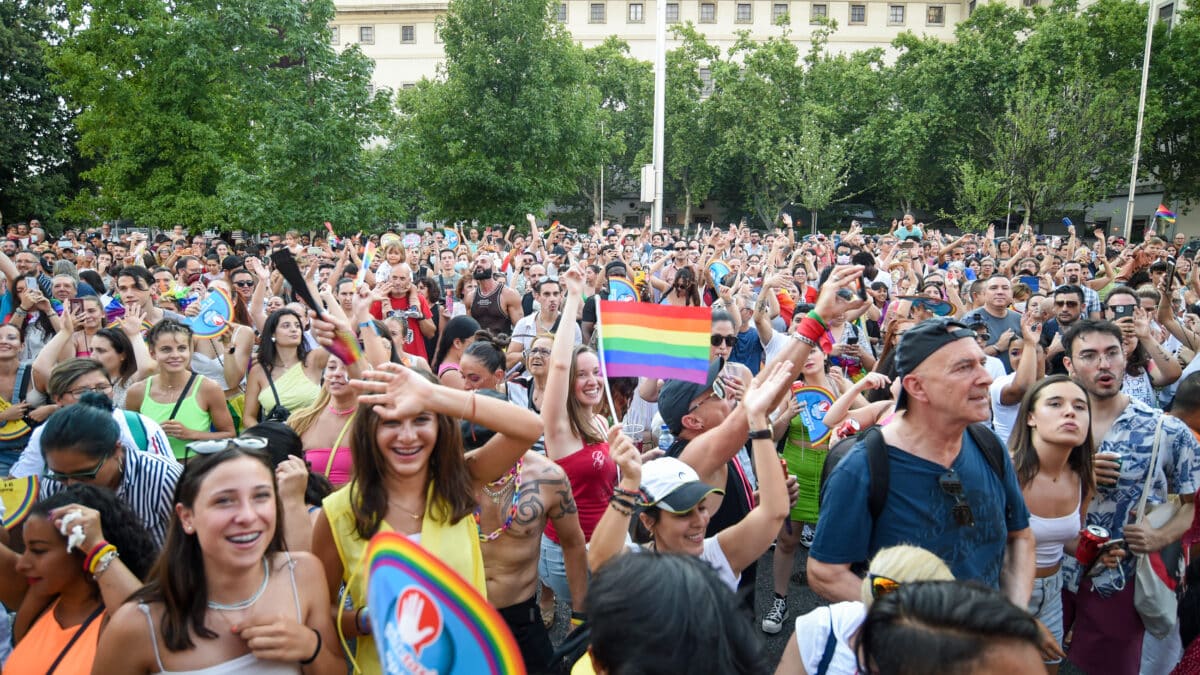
x,y
1141,113
660,108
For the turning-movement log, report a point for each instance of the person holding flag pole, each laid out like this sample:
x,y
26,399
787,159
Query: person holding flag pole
x,y
576,439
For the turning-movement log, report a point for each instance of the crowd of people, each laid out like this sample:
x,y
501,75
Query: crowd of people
x,y
1000,474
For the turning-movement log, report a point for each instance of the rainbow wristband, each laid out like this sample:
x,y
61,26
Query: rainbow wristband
x,y
94,559
812,314
810,331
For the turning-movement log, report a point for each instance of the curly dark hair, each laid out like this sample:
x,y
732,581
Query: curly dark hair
x,y
122,527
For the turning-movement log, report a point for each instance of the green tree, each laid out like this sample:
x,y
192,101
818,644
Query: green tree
x,y
512,125
216,115
814,165
38,165
687,146
1170,154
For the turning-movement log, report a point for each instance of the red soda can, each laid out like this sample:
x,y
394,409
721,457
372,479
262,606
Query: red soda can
x,y
1091,538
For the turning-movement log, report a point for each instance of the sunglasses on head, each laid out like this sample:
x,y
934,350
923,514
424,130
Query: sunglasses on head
x,y
716,340
213,447
881,585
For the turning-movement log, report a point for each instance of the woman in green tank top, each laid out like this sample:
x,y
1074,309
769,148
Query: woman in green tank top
x,y
189,407
805,460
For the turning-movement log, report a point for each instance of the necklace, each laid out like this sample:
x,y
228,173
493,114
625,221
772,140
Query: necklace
x,y
248,602
410,512
496,489
341,413
512,510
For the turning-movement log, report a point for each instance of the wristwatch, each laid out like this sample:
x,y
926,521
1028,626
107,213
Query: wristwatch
x,y
764,434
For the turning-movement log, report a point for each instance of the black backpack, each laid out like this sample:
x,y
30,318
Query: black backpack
x,y
879,469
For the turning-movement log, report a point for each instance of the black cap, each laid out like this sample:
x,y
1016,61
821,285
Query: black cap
x,y
615,265
919,343
232,262
677,396
558,250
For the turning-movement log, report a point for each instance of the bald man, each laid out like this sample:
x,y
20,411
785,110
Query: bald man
x,y
406,304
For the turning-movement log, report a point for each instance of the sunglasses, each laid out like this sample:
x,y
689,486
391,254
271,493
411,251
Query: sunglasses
x,y
80,475
244,284
718,392
881,585
213,447
952,485
716,340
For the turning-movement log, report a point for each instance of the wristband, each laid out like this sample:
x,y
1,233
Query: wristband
x,y
810,331
87,559
93,558
761,434
316,651
812,314
632,494
577,618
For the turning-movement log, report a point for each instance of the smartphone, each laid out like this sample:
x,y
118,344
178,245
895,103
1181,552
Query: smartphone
x,y
76,305
1122,311
1171,275
1031,281
449,303
314,250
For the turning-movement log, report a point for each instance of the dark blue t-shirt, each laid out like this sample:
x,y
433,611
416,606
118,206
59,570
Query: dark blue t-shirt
x,y
918,512
748,350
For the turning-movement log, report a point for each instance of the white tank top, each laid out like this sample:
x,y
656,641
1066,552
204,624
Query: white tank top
x,y
1052,534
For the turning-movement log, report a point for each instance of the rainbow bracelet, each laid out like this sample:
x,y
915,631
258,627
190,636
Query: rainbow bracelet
x,y
93,559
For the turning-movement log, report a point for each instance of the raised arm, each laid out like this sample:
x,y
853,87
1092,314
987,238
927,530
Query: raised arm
x,y
558,386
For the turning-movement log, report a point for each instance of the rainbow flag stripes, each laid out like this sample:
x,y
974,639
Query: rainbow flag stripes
x,y
640,339
1164,213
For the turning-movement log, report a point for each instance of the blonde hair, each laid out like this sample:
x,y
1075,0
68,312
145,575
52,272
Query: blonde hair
x,y
903,564
302,420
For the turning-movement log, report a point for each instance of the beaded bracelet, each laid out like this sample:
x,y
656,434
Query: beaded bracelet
x,y
632,494
621,506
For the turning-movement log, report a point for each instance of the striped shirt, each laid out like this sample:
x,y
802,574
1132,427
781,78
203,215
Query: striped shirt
x,y
147,486
32,463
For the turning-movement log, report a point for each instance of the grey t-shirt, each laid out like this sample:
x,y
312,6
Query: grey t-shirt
x,y
996,327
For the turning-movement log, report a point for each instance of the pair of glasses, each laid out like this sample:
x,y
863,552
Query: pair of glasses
x,y
244,284
213,447
718,393
952,485
716,340
539,351
102,389
881,585
1066,303
80,475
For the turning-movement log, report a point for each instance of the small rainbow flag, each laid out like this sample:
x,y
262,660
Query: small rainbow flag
x,y
1164,213
641,339
367,258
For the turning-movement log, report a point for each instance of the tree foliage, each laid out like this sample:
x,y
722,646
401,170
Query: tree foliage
x,y
511,125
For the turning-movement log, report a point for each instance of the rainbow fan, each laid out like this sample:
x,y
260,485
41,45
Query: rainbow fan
x,y
430,619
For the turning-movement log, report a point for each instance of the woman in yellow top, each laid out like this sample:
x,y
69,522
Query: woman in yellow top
x,y
284,359
189,407
410,475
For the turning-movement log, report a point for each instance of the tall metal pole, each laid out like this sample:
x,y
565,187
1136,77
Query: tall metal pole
x,y
660,108
1137,136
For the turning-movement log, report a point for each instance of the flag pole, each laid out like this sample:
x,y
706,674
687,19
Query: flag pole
x,y
1141,113
604,368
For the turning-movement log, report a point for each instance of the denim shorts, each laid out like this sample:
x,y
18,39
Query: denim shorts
x,y
1046,605
553,570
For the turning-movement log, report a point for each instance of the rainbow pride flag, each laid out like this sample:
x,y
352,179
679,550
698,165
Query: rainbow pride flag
x,y
1164,213
641,339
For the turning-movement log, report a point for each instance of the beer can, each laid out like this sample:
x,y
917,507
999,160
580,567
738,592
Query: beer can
x,y
1091,538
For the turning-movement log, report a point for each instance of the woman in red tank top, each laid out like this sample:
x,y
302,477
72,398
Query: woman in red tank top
x,y
575,437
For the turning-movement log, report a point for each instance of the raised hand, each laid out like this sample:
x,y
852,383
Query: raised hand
x,y
762,393
393,391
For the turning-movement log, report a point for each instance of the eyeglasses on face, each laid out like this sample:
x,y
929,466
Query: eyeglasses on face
x,y
714,394
539,351
100,388
952,486
80,475
716,340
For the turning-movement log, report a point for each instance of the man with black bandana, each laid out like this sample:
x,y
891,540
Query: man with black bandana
x,y
495,306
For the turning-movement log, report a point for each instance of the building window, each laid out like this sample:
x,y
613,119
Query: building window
x,y
636,14
672,12
745,12
971,8
597,13
1029,3
562,12
779,12
366,35
334,35
706,82
858,13
818,14
708,12
935,15
1167,13
895,14
408,34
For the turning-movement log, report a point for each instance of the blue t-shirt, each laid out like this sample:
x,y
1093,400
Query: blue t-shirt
x,y
918,512
748,350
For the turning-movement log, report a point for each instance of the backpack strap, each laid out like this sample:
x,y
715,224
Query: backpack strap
x,y
831,642
991,447
878,471
137,429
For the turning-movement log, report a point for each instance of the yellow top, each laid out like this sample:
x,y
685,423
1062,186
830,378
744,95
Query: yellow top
x,y
456,544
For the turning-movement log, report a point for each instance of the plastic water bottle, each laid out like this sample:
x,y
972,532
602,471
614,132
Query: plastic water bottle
x,y
665,439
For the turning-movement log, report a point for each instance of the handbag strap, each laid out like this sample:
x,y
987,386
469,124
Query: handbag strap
x,y
1141,509
337,444
74,638
271,381
182,395
830,647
